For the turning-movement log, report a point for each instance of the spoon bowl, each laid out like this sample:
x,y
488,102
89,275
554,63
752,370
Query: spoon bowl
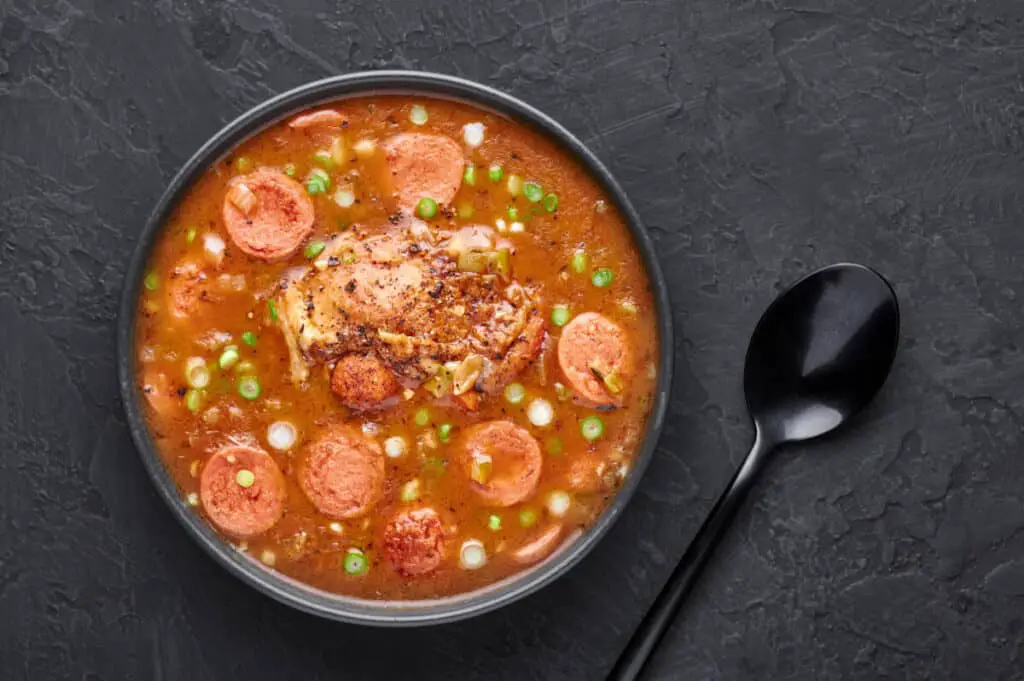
x,y
820,352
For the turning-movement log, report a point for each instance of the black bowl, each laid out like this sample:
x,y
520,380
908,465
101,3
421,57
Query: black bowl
x,y
250,570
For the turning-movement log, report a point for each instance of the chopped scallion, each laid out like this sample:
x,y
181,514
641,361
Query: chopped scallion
x,y
152,281
228,358
515,392
289,169
314,249
469,174
273,309
243,164
560,315
422,417
495,172
418,114
193,400
190,235
426,208
355,562
323,158
444,432
533,192
249,338
249,387
494,522
318,182
550,203
527,517
513,214
514,185
245,478
579,262
592,428
603,278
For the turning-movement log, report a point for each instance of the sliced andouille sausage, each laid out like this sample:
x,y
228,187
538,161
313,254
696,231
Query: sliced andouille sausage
x,y
362,382
188,287
414,541
539,547
277,217
519,356
243,491
423,166
342,472
328,118
503,462
586,474
590,346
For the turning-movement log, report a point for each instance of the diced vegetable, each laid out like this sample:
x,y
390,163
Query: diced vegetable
x,y
249,338
338,155
533,192
560,315
418,114
228,358
323,158
514,185
494,522
592,428
192,499
345,197
243,164
281,435
444,432
495,172
395,446
314,249
268,557
527,517
601,206
190,235
273,309
480,467
554,446
562,392
249,387
469,175
364,148
243,198
603,278
193,400
245,478
558,503
472,555
473,134
464,376
515,392
213,249
355,562
318,181
152,281
197,374
512,212
422,417
410,490
540,412
426,208
551,203
579,262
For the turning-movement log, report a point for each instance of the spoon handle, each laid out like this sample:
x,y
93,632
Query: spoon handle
x,y
659,617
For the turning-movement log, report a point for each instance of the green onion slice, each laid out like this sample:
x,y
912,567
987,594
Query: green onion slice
x,y
249,387
426,208
603,278
533,192
592,428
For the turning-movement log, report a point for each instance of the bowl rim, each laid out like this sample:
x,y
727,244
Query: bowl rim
x,y
286,589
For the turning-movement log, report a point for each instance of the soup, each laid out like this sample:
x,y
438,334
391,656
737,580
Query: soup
x,y
396,348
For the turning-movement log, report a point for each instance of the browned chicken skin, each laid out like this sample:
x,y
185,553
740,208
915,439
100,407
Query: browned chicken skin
x,y
400,295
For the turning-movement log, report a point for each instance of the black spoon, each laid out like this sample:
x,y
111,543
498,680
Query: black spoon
x,y
819,354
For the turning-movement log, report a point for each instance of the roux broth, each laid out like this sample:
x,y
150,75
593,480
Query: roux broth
x,y
303,543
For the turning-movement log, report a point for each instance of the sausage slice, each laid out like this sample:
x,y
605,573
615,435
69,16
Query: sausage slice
x,y
242,491
278,223
342,473
505,460
362,382
423,166
414,541
592,345
187,288
539,547
323,117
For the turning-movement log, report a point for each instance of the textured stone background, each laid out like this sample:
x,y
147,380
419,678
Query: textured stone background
x,y
758,140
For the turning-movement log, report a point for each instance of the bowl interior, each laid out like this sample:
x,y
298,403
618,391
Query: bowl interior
x,y
286,589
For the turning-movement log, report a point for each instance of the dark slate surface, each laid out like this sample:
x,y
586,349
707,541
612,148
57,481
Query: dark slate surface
x,y
758,141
